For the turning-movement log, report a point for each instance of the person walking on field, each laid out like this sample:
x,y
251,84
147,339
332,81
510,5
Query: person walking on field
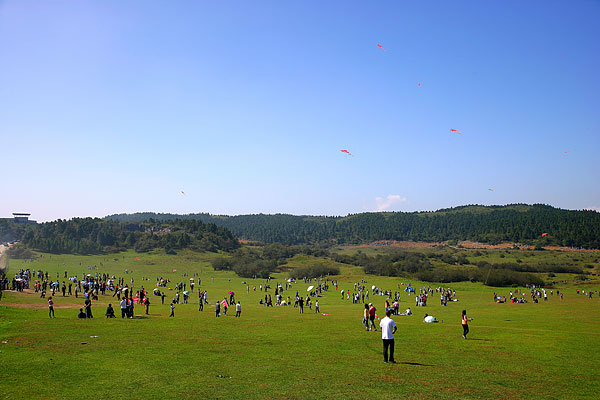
x,y
238,309
388,328
372,311
465,323
50,308
366,317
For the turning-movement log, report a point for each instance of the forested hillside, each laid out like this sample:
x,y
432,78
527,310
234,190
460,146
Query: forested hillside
x,y
10,231
519,223
94,235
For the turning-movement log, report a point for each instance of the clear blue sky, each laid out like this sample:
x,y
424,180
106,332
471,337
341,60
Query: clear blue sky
x,y
118,106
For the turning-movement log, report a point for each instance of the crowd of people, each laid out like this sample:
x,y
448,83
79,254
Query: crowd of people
x,y
92,285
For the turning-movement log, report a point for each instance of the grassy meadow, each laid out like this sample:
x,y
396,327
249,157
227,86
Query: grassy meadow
x,y
548,350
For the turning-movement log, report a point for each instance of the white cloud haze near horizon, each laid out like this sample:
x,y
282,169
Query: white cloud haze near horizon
x,y
392,200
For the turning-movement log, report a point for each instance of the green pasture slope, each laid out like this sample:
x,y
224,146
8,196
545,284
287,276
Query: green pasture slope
x,y
548,350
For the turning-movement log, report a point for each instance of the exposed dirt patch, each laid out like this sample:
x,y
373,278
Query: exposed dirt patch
x,y
466,244
38,306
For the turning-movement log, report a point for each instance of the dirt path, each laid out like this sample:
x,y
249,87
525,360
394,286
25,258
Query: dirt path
x,y
39,306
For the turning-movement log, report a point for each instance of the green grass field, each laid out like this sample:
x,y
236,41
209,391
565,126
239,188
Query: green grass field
x,y
548,350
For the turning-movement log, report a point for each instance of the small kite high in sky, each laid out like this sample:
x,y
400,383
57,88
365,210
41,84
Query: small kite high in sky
x,y
183,193
491,190
380,46
347,152
454,130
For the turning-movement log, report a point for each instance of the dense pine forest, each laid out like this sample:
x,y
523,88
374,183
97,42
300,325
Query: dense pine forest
x,y
94,235
518,223
10,231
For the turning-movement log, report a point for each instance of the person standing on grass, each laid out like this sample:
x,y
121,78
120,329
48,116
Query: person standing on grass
x,y
50,308
123,308
301,304
147,304
388,328
465,323
238,309
172,309
131,304
317,306
217,309
88,308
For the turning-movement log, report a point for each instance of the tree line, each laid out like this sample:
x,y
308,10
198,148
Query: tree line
x,y
536,224
94,235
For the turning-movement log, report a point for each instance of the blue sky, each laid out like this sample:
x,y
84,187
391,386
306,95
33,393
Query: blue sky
x,y
111,106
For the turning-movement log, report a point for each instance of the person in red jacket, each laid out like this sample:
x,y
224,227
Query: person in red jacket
x,y
372,310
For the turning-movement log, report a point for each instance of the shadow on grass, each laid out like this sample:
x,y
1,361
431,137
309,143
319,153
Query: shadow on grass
x,y
484,340
415,363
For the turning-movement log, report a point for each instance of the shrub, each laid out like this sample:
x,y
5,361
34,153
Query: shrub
x,y
314,271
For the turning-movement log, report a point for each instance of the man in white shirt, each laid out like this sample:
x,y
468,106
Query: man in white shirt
x,y
123,307
388,328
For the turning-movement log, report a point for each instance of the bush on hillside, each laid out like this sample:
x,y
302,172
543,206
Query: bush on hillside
x,y
314,271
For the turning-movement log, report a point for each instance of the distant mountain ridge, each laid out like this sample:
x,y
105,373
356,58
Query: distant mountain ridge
x,y
519,223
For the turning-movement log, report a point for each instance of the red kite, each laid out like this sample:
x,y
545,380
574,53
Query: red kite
x,y
183,193
380,46
491,190
347,152
544,234
419,84
454,130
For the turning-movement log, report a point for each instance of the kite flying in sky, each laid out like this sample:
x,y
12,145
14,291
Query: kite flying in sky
x,y
347,152
183,193
454,130
380,46
491,190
